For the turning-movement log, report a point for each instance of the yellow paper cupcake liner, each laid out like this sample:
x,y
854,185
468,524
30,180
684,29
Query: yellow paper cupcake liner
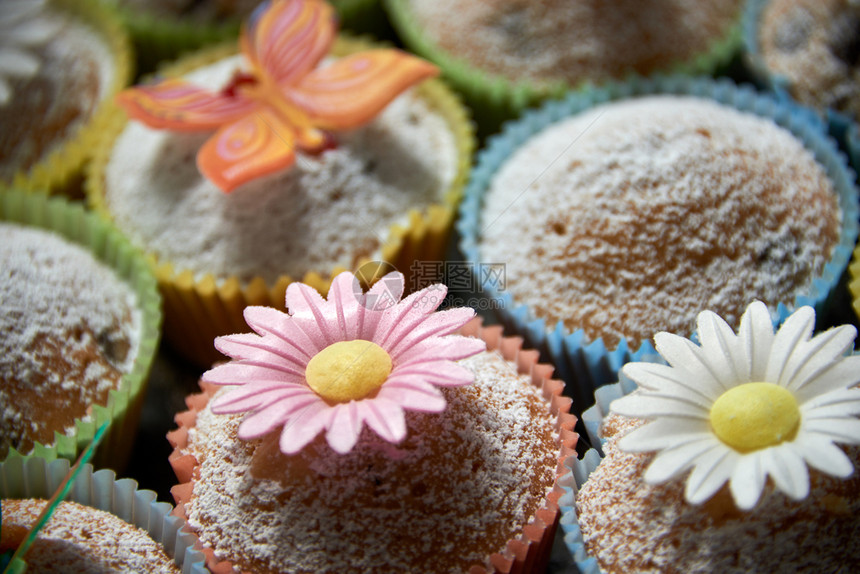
x,y
197,309
61,171
122,411
494,99
528,552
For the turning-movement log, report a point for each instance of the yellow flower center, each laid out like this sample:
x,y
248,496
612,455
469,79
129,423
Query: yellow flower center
x,y
348,370
753,416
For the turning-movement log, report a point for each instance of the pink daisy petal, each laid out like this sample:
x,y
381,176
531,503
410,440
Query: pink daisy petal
x,y
262,422
413,395
442,373
238,373
254,396
408,314
384,417
409,333
450,347
345,296
263,351
273,323
344,427
379,300
304,427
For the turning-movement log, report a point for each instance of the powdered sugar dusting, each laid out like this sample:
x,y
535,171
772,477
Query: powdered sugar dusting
x,y
574,41
70,330
633,216
327,210
80,538
461,484
630,527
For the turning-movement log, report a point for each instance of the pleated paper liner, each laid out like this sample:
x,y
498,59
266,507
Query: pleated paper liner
x,y
39,478
528,553
71,221
199,309
494,99
62,170
584,364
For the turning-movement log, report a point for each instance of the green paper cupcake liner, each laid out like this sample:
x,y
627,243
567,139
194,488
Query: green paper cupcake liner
x,y
61,171
122,411
494,99
39,478
584,364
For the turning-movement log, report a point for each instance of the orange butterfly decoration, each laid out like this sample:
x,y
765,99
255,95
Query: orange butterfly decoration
x,y
284,101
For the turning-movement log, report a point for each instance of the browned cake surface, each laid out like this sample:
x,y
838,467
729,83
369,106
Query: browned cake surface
x,y
83,540
68,331
459,486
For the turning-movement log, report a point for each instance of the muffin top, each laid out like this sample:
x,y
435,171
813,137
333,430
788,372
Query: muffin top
x,y
815,46
461,484
632,216
80,538
59,71
70,330
330,209
571,40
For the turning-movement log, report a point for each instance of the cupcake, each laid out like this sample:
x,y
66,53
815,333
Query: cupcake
x,y
104,525
454,471
63,61
807,49
321,186
506,55
80,322
737,456
628,211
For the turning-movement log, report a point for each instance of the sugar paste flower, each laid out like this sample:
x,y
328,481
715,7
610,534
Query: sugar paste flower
x,y
21,29
284,100
336,364
741,408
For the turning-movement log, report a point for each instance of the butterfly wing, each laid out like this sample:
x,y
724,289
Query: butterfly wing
x,y
352,90
255,145
176,104
286,39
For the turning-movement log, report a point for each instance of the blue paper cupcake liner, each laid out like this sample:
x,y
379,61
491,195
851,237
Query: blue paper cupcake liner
x,y
38,478
584,364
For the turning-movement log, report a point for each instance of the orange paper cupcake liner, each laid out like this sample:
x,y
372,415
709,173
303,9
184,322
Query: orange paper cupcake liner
x,y
527,553
197,309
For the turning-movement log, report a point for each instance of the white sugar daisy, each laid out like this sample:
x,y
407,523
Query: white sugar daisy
x,y
744,407
20,31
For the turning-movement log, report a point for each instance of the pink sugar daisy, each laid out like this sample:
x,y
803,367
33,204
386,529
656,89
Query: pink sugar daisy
x,y
336,364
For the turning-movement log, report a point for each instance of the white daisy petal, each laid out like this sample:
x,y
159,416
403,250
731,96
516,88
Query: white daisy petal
x,y
663,433
793,332
821,454
712,470
747,481
755,335
787,469
817,356
672,462
842,403
5,92
842,375
684,356
725,356
643,406
845,430
663,378
18,63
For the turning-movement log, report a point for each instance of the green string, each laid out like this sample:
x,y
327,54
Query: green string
x,y
16,564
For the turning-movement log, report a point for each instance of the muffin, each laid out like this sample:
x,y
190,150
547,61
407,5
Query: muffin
x,y
440,479
504,55
808,49
80,322
757,498
627,212
385,190
66,60
104,525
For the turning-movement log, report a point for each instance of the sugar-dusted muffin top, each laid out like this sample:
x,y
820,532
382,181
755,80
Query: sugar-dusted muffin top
x,y
461,484
69,330
574,40
327,210
816,46
631,527
82,539
62,70
633,216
